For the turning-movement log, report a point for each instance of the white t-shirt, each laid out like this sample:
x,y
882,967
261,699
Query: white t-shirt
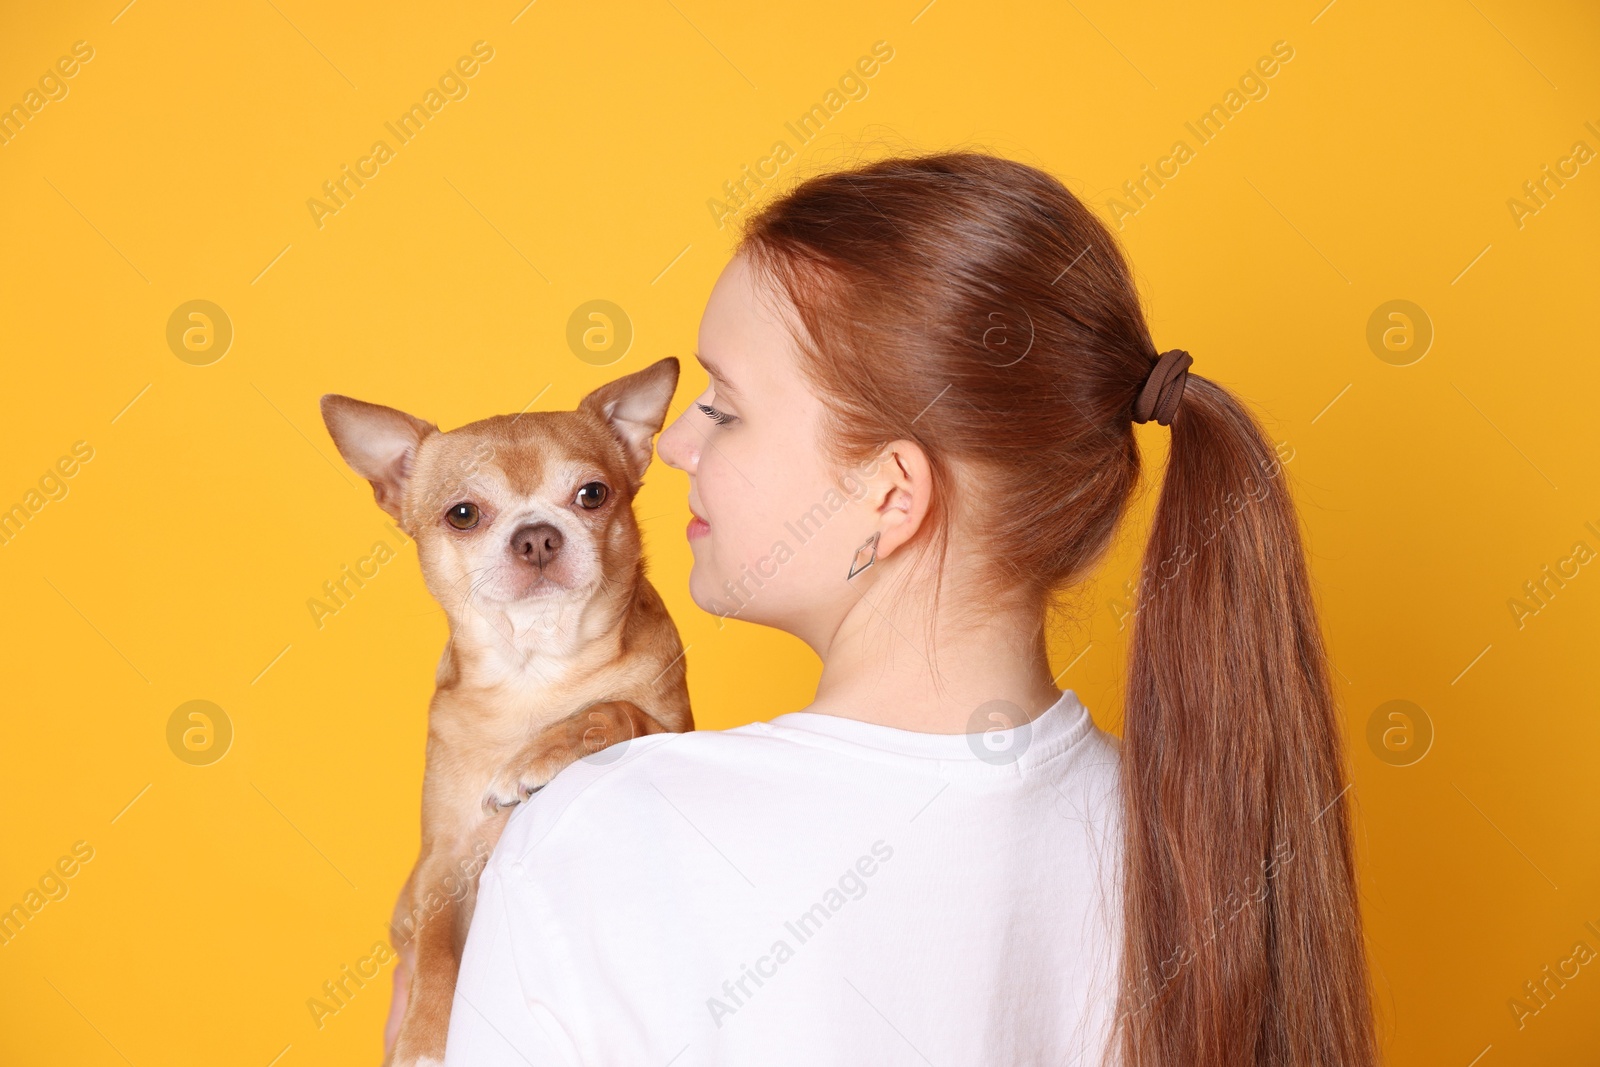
x,y
813,890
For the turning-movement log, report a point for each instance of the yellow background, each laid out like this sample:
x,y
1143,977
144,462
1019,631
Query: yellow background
x,y
580,166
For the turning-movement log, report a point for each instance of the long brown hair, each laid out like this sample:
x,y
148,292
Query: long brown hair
x,y
974,305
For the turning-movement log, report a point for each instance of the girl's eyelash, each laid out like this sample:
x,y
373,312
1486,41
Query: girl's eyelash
x,y
712,413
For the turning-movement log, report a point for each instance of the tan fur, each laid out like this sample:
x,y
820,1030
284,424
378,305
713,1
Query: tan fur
x,y
554,652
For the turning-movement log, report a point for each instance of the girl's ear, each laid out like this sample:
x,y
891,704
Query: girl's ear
x,y
635,409
902,490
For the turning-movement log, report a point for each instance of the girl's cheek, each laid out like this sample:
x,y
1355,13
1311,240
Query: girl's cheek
x,y
724,469
720,495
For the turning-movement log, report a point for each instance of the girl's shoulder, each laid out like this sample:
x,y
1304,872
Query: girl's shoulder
x,y
799,772
621,787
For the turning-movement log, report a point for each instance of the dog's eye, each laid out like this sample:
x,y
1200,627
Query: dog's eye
x,y
463,516
592,495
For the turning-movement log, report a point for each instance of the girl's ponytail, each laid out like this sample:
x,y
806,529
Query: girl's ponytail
x,y
1242,933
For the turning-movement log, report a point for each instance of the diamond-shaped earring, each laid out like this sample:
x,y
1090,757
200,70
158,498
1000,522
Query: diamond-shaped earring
x,y
856,566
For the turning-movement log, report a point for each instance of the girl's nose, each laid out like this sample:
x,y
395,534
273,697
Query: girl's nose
x,y
679,445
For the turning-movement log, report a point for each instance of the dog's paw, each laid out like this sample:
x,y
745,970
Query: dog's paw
x,y
512,785
598,727
417,1061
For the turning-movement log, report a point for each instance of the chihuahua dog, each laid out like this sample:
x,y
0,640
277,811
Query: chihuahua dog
x,y
559,645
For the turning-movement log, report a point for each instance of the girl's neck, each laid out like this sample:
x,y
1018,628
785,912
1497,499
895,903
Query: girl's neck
x,y
880,667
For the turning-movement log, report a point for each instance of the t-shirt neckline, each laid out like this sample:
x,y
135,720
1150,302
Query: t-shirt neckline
x,y
1055,729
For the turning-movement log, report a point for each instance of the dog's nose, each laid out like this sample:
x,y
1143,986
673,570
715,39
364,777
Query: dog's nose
x,y
536,543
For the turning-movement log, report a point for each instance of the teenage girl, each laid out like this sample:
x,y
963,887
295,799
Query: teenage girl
x,y
917,436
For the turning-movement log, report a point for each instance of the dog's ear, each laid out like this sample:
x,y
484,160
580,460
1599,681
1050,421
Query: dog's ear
x,y
379,443
635,407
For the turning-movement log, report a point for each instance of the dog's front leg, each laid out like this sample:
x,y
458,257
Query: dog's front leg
x,y
402,928
444,890
590,730
435,960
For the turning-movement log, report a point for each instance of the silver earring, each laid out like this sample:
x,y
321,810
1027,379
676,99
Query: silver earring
x,y
856,566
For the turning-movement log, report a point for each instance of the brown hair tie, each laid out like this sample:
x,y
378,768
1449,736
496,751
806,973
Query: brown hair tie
x,y
1164,388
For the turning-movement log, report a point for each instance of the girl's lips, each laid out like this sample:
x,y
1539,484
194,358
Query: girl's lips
x,y
698,527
